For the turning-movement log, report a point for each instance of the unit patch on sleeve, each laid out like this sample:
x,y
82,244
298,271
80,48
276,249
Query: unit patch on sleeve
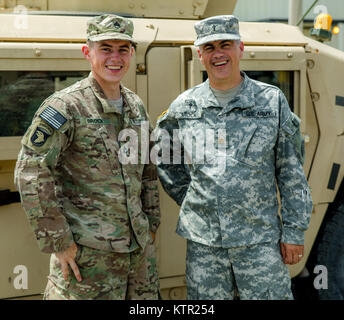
x,y
39,137
53,117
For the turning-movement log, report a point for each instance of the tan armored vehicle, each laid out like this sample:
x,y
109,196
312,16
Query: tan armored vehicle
x,y
40,52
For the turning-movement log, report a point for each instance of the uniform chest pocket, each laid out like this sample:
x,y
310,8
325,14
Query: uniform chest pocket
x,y
192,136
90,140
256,145
191,126
247,136
134,141
96,146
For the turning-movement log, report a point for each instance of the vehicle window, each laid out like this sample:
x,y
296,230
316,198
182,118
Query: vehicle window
x,y
22,92
281,79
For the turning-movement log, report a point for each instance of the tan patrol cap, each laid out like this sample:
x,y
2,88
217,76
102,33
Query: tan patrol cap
x,y
110,27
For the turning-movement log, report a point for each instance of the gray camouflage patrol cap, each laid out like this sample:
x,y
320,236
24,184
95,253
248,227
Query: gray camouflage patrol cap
x,y
110,27
215,28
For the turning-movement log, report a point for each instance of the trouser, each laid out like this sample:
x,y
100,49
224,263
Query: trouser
x,y
106,276
255,272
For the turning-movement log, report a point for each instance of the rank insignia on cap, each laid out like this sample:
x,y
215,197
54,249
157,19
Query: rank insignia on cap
x,y
53,117
39,137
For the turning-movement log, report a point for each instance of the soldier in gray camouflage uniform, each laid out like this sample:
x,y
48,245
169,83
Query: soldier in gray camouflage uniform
x,y
229,206
95,215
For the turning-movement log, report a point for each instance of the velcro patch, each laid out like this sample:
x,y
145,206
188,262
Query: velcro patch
x,y
39,137
259,114
53,117
192,104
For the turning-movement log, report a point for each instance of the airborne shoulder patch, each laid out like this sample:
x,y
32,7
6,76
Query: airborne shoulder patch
x,y
39,137
53,117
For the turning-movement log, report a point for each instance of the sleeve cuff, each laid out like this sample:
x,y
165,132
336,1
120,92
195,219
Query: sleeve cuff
x,y
292,236
153,224
51,245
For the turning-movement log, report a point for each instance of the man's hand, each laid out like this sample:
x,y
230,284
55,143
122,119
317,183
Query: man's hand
x,y
67,258
291,253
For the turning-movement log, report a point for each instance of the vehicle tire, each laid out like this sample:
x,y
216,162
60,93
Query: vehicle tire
x,y
330,253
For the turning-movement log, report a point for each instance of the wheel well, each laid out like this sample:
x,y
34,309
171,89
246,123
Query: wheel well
x,y
339,199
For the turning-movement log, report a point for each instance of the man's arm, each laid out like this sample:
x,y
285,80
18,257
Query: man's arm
x,y
42,146
149,189
172,171
150,197
296,202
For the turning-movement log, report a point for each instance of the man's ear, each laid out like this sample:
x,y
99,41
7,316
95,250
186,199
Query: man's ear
x,y
241,49
86,51
199,53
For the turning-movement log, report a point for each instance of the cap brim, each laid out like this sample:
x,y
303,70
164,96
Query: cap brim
x,y
216,37
111,36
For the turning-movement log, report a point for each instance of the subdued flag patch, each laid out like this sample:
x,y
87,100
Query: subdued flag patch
x,y
53,117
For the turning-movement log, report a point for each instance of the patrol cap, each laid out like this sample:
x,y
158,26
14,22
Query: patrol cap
x,y
110,27
225,27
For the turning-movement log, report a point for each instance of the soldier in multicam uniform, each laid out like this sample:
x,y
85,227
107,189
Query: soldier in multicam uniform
x,y
95,215
236,242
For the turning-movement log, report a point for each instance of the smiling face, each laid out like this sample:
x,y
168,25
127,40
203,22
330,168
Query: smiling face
x,y
110,60
221,60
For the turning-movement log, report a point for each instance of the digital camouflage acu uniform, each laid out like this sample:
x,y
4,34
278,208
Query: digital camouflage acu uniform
x,y
229,207
74,189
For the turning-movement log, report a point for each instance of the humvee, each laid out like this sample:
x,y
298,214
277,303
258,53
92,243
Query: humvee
x,y
40,53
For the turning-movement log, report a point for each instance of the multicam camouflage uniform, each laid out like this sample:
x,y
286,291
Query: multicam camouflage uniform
x,y
74,189
229,202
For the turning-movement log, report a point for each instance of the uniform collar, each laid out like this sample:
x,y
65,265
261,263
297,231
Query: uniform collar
x,y
244,99
129,109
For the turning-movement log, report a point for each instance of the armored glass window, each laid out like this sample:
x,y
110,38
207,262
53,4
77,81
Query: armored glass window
x,y
22,92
